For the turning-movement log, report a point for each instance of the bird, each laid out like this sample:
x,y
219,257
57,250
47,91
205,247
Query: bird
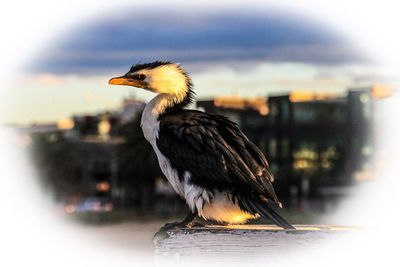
x,y
209,162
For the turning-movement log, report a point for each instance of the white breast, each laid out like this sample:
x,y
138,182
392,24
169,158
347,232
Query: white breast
x,y
151,127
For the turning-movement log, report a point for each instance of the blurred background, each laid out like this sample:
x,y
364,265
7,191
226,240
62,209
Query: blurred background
x,y
300,91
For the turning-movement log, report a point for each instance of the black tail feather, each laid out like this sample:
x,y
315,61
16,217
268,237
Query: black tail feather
x,y
265,211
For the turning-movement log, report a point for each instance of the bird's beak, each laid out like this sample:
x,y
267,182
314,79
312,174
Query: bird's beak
x,y
127,81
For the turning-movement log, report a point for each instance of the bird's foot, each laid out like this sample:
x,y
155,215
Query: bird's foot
x,y
173,225
177,225
194,224
163,232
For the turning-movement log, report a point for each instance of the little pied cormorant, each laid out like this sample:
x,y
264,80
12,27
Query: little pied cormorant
x,y
209,162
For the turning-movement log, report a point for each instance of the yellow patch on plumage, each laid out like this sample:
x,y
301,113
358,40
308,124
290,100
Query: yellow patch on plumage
x,y
225,211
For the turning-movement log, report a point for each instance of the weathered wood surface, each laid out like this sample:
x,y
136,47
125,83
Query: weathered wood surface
x,y
240,243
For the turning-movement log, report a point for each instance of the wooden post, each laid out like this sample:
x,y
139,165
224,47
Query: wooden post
x,y
238,242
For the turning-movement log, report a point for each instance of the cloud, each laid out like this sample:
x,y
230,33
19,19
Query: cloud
x,y
99,63
112,43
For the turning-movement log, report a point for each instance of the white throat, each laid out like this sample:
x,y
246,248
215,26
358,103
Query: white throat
x,y
153,109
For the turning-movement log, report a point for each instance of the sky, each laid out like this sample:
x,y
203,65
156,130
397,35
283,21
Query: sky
x,y
231,52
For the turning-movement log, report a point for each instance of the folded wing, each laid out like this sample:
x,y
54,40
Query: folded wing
x,y
215,153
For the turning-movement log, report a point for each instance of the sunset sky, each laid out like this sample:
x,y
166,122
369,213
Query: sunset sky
x,y
248,53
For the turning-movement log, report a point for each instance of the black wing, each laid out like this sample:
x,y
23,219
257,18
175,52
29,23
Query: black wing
x,y
216,153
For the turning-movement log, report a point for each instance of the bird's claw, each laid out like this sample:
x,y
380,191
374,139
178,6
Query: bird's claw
x,y
163,232
194,224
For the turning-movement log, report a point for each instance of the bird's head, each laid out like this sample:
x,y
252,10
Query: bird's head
x,y
159,77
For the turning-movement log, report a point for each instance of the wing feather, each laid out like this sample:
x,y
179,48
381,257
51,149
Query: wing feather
x,y
215,152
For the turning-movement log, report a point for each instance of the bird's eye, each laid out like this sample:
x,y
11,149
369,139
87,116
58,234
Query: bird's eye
x,y
141,77
136,76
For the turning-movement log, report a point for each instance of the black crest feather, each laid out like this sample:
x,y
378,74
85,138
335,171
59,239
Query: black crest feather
x,y
149,66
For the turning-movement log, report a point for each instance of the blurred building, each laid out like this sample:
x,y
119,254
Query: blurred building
x,y
98,162
317,144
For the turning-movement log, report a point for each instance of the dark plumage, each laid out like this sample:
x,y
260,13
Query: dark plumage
x,y
219,157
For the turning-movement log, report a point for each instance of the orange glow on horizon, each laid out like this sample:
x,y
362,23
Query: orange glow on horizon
x,y
303,96
65,124
259,104
382,91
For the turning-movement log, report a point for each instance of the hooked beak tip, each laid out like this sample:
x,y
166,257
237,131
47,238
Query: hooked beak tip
x,y
117,81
